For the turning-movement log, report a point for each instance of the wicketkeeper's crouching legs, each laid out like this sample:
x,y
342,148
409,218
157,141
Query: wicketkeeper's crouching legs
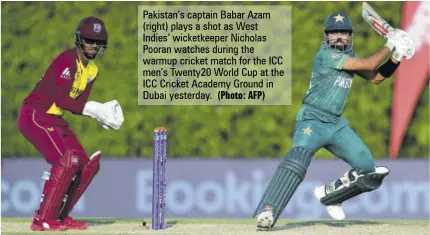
x,y
63,170
288,176
79,184
64,186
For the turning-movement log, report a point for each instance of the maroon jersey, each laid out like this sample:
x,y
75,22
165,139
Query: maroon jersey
x,y
66,85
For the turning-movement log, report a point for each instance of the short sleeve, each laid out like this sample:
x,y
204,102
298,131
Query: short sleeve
x,y
334,60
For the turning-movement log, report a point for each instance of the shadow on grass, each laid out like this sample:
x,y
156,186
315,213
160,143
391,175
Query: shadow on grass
x,y
330,223
99,222
170,224
94,223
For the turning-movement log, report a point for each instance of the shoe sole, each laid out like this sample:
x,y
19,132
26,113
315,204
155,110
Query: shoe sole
x,y
263,228
319,199
264,223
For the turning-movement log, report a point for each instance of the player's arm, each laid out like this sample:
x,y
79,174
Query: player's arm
x,y
371,75
344,61
369,63
84,96
374,69
364,67
93,108
100,112
372,62
63,85
377,76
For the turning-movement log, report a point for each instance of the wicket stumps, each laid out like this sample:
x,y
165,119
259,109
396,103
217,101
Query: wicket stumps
x,y
159,178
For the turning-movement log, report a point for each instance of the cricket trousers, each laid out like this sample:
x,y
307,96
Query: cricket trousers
x,y
316,129
50,135
71,172
53,138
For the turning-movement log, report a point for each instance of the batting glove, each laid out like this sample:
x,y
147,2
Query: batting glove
x,y
404,48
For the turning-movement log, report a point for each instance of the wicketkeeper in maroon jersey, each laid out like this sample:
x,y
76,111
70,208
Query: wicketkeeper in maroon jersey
x,y
66,86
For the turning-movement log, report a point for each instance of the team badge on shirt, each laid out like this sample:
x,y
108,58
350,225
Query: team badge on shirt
x,y
307,131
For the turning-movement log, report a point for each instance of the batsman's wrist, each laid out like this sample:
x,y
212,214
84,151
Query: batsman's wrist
x,y
388,68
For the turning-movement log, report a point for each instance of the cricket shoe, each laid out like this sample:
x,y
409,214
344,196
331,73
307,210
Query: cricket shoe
x,y
335,211
265,221
49,225
70,223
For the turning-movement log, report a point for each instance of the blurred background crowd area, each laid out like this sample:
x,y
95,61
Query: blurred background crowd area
x,y
33,34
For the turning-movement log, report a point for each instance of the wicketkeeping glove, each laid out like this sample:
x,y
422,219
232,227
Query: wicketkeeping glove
x,y
94,109
109,115
115,116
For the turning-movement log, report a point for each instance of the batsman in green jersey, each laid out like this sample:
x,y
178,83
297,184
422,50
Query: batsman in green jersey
x,y
320,123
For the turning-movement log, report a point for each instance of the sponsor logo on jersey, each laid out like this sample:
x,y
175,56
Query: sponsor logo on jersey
x,y
65,74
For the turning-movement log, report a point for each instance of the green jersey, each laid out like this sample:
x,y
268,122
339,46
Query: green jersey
x,y
330,84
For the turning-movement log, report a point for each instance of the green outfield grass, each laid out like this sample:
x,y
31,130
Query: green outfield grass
x,y
232,226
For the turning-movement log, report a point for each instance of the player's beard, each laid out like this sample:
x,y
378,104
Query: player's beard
x,y
90,53
341,43
90,48
86,54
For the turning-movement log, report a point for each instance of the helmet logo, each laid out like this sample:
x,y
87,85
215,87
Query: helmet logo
x,y
97,28
339,18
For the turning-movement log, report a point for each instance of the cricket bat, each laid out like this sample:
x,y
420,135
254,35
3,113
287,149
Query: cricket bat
x,y
375,20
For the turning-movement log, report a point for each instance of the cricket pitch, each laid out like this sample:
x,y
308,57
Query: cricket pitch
x,y
233,227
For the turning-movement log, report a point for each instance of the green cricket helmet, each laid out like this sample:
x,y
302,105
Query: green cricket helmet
x,y
338,22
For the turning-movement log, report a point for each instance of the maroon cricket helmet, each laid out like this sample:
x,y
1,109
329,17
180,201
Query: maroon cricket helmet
x,y
91,30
